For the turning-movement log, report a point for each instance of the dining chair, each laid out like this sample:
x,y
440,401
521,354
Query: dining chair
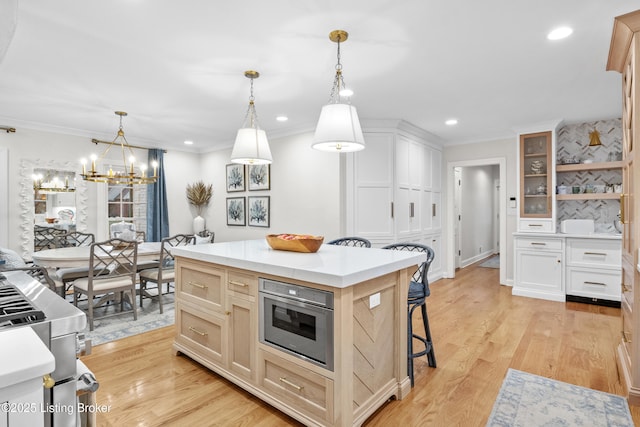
x,y
68,275
165,272
418,292
351,241
46,237
111,278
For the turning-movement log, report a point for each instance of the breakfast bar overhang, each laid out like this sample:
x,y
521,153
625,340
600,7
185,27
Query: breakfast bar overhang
x,y
230,319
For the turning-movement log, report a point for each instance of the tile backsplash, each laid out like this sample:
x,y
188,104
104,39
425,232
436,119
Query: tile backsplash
x,y
573,142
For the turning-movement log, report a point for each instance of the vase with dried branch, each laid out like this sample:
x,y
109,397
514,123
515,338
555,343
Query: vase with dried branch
x,y
199,195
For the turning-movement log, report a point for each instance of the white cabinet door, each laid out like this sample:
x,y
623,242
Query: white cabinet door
x,y
539,274
436,170
435,211
434,241
373,188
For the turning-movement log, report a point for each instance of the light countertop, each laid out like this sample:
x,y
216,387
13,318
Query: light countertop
x,y
602,236
332,265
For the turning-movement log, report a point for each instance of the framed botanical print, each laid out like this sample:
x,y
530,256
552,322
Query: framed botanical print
x,y
235,178
236,211
259,177
258,211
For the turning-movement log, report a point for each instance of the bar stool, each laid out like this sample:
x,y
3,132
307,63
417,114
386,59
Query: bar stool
x,y
418,292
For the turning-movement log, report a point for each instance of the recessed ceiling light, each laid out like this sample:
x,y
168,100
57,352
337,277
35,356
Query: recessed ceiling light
x,y
451,122
560,33
282,118
188,143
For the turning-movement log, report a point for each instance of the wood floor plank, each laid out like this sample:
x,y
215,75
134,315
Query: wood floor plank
x,y
479,330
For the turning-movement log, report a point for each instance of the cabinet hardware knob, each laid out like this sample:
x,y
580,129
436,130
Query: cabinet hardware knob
x,y
228,313
290,384
234,283
198,285
623,216
48,381
625,288
625,339
201,333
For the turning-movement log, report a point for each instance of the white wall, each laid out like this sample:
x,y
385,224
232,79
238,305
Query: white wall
x,y
305,184
478,213
304,194
476,152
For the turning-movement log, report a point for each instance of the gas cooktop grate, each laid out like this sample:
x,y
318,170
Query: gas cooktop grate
x,y
15,308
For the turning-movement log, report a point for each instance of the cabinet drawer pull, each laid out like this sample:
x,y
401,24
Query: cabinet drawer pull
x,y
623,216
595,283
202,334
391,209
595,253
625,339
433,209
625,288
234,283
411,211
538,244
535,225
198,285
290,384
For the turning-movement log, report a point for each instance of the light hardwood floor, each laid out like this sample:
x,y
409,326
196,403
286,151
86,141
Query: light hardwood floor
x,y
479,331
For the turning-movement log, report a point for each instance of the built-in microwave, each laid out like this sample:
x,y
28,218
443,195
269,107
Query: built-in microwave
x,y
297,320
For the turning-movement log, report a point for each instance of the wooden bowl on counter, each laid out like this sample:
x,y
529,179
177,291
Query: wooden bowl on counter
x,y
295,242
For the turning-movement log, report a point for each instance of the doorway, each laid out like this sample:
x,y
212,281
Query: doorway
x,y
453,235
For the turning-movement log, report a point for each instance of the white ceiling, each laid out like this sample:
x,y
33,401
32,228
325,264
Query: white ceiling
x,y
177,66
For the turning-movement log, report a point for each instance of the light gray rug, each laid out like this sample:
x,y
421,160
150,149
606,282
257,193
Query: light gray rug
x,y
527,400
493,262
122,325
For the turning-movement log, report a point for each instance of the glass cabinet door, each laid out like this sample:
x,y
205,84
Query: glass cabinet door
x,y
535,175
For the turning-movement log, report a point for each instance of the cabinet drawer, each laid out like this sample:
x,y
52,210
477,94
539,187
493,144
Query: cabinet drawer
x,y
301,388
593,284
201,286
539,243
202,332
536,225
242,283
594,253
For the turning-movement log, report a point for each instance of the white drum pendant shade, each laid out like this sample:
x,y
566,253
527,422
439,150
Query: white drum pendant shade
x,y
251,147
338,129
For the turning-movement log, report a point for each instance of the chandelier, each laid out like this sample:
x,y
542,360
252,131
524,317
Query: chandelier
x,y
338,128
251,146
128,176
53,181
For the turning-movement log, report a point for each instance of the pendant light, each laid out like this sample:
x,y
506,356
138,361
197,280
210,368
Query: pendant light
x,y
338,128
251,146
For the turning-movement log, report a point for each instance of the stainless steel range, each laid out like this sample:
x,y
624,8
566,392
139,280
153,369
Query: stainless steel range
x,y
25,302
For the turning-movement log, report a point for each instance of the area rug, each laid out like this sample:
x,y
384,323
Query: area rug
x,y
528,400
493,262
122,325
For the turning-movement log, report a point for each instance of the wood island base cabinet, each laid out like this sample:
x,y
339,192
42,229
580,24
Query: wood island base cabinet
x,y
217,321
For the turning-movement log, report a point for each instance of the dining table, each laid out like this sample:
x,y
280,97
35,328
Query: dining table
x,y
78,256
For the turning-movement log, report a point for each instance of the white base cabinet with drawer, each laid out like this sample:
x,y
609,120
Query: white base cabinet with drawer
x,y
593,269
565,267
539,268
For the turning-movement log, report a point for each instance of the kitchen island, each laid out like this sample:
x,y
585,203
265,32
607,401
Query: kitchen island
x,y
219,321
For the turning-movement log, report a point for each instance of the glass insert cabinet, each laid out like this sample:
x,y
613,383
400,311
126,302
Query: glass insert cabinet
x,y
536,172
